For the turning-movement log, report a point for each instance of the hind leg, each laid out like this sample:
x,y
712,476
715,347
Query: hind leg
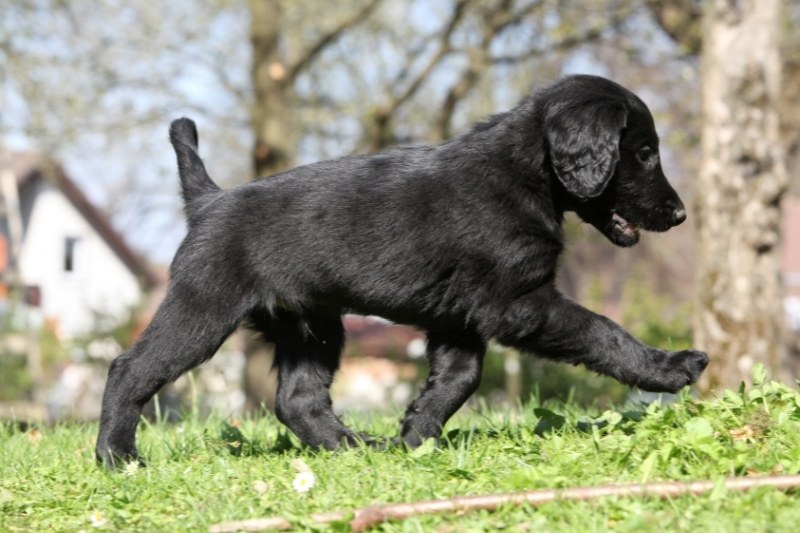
x,y
182,335
307,352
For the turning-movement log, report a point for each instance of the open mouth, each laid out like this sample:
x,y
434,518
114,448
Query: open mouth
x,y
624,228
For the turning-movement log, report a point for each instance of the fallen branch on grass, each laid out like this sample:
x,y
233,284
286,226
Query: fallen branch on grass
x,y
368,517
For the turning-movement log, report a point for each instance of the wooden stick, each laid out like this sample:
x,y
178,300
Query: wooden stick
x,y
368,517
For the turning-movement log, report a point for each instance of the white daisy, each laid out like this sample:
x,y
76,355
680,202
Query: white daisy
x,y
303,481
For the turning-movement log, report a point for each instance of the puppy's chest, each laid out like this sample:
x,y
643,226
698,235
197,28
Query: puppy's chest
x,y
507,264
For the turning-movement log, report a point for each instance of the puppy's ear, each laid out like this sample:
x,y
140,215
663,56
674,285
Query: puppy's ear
x,y
584,145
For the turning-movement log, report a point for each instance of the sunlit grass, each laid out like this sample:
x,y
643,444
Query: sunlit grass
x,y
206,471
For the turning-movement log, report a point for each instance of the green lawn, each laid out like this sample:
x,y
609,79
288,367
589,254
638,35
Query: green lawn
x,y
204,472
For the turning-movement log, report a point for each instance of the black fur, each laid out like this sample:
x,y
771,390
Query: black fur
x,y
460,239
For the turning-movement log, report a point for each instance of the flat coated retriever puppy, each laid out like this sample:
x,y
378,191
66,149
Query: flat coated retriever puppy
x,y
461,240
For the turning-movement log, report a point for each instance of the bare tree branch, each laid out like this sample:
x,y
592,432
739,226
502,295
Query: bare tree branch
x,y
444,49
563,44
681,20
368,517
380,135
496,21
325,40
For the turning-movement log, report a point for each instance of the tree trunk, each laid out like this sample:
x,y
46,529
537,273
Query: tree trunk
x,y
273,91
273,148
738,311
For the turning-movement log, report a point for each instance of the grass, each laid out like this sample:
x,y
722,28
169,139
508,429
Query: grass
x,y
205,471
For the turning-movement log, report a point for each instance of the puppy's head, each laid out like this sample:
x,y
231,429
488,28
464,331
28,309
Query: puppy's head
x,y
604,150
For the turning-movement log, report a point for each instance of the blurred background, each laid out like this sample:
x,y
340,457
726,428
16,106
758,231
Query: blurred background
x,y
90,214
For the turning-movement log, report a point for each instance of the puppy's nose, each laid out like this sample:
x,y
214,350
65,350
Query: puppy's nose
x,y
679,215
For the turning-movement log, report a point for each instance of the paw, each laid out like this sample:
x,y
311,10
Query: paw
x,y
675,371
413,436
112,459
693,363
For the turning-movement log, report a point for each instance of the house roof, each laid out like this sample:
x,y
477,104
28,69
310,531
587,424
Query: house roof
x,y
29,167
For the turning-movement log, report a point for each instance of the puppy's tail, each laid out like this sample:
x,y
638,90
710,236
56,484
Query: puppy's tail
x,y
196,185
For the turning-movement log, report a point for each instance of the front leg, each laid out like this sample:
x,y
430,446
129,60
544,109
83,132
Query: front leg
x,y
550,325
455,362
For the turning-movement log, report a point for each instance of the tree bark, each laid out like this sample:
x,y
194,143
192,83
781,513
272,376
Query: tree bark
x,y
273,148
738,309
273,91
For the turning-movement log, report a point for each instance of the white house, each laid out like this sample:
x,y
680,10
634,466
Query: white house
x,y
74,265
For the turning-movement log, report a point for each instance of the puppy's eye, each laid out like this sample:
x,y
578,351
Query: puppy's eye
x,y
644,154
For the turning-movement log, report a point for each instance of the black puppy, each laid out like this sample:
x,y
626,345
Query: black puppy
x,y
460,239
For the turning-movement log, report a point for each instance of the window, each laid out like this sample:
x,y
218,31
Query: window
x,y
70,244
